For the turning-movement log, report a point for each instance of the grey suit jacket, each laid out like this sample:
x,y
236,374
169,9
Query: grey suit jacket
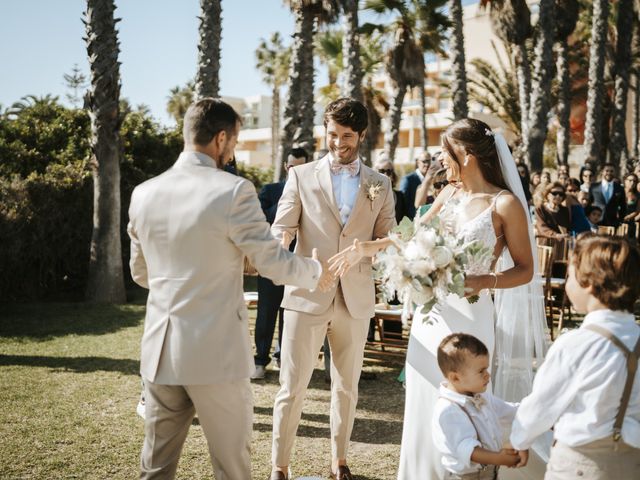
x,y
190,229
308,209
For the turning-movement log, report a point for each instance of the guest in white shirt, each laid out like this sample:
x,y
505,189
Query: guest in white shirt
x,y
579,388
468,421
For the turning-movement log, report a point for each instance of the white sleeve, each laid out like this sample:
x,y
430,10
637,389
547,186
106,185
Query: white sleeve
x,y
554,388
453,434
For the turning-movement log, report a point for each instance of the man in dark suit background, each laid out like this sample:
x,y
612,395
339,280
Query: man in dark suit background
x,y
410,183
608,195
270,295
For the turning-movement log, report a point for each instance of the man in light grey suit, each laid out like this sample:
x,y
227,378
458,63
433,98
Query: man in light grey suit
x,y
190,229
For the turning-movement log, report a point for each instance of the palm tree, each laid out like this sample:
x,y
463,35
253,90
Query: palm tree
x,y
299,108
618,150
207,78
106,281
635,126
456,46
272,60
541,85
596,94
179,100
511,21
352,86
566,19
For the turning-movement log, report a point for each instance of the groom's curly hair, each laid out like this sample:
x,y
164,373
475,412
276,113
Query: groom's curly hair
x,y
348,113
454,350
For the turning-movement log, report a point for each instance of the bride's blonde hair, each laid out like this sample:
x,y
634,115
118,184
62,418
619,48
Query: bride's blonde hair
x,y
476,138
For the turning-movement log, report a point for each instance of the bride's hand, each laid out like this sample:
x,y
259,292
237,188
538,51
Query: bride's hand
x,y
342,261
474,283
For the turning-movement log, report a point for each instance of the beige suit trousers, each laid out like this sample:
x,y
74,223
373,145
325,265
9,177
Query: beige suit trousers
x,y
225,412
303,336
597,460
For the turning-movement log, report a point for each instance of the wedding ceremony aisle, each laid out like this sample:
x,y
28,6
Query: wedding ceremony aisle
x,y
69,386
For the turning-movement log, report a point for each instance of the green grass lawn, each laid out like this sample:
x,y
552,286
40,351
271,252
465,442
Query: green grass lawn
x,y
69,386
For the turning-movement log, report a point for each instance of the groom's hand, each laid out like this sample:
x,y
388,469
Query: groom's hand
x,y
342,261
327,279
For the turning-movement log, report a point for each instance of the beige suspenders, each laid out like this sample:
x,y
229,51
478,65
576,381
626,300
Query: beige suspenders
x,y
632,367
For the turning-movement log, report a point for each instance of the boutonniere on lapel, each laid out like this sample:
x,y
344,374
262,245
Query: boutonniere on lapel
x,y
373,189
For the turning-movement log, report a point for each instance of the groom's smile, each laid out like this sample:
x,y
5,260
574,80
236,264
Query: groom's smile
x,y
343,142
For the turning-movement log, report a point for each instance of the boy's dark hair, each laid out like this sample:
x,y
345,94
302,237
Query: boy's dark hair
x,y
206,118
610,266
454,350
299,153
592,208
348,113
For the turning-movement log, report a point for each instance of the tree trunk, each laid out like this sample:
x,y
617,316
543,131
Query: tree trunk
x,y
618,153
459,81
635,127
541,85
596,93
523,72
275,132
395,115
106,279
423,110
564,102
293,107
373,130
351,51
303,137
207,78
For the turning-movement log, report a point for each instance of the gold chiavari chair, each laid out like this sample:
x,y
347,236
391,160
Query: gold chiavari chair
x,y
545,256
602,230
622,230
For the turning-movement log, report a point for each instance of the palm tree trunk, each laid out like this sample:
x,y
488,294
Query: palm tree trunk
x,y
523,72
275,132
106,280
635,128
351,51
596,93
207,78
564,102
395,115
541,85
297,77
459,82
373,129
423,110
618,153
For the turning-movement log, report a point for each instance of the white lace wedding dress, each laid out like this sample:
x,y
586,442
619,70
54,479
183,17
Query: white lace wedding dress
x,y
419,460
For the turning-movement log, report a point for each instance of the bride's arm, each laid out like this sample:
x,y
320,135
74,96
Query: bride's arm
x,y
515,228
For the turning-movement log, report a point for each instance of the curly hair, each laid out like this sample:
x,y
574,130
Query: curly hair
x,y
454,350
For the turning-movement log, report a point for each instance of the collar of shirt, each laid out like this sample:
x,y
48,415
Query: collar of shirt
x,y
476,400
331,160
598,316
420,175
605,184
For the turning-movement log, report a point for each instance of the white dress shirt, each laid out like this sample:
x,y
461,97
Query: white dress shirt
x,y
607,190
345,190
455,436
579,387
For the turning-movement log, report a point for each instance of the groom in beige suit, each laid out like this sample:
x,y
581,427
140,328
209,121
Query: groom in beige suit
x,y
190,229
328,204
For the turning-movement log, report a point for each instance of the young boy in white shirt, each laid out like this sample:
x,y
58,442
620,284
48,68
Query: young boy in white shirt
x,y
467,421
587,388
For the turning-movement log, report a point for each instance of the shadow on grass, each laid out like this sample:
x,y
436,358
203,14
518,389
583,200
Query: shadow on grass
x,y
42,321
73,364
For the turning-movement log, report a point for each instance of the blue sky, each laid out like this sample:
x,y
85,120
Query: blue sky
x,y
42,40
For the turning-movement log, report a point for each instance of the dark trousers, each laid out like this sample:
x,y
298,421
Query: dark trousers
x,y
269,300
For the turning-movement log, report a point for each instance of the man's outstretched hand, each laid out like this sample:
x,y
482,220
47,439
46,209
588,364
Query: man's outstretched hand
x,y
343,261
327,279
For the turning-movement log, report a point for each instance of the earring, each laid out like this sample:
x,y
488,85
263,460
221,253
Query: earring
x,y
466,160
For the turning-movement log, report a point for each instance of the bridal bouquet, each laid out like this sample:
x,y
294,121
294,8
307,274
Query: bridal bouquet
x,y
426,263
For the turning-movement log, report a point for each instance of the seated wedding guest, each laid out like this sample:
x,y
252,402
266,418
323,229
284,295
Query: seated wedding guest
x,y
385,166
439,182
270,295
588,388
579,221
587,177
631,196
535,181
410,183
584,199
553,220
563,169
468,420
594,215
609,195
539,195
523,171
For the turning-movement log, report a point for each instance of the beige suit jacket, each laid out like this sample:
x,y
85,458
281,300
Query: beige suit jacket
x,y
308,209
190,229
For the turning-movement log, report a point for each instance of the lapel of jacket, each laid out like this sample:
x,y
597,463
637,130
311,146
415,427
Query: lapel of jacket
x,y
366,176
323,176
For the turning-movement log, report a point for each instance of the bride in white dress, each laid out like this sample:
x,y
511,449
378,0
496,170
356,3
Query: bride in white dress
x,y
486,204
